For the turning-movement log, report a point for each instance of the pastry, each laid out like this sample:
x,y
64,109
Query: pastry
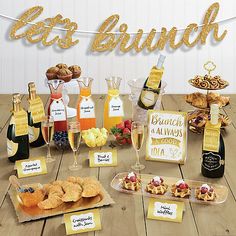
x,y
54,194
76,71
156,186
205,193
91,187
61,66
72,191
52,73
209,82
31,197
200,102
131,182
180,189
75,180
64,74
225,120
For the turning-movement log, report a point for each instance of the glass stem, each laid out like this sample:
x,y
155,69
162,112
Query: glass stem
x,y
137,155
75,159
48,152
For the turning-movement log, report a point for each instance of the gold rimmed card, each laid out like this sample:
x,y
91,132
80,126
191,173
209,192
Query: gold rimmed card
x,y
103,158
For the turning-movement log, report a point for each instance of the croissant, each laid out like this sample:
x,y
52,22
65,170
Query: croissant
x,y
75,180
200,102
72,191
54,192
91,187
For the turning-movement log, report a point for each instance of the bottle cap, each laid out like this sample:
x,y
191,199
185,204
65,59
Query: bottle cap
x,y
161,60
214,109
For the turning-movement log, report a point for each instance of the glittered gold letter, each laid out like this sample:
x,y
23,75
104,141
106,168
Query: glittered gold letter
x,y
208,24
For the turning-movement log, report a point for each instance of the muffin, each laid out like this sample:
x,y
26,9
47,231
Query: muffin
x,y
52,73
62,66
76,71
64,74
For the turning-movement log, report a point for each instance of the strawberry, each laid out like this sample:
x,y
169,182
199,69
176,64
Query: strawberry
x,y
182,186
122,141
133,178
128,124
128,140
204,190
120,126
118,136
161,180
126,131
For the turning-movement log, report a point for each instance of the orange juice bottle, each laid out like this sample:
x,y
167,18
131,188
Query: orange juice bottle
x,y
86,106
113,108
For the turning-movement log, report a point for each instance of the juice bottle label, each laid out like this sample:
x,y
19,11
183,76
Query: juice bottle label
x,y
87,108
11,148
33,134
58,110
116,107
37,109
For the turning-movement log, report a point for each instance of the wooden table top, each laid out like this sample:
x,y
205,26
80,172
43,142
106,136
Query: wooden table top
x,y
128,216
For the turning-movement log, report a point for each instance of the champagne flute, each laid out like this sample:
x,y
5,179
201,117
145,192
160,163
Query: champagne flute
x,y
47,126
74,136
137,136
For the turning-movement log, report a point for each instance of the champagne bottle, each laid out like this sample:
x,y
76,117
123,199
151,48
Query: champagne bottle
x,y
17,132
213,154
152,86
35,113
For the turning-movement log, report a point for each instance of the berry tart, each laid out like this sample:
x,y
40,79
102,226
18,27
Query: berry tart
x,y
180,189
156,186
131,182
205,193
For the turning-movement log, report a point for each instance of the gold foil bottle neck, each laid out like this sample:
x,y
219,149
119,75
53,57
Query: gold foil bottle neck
x,y
16,99
214,114
32,90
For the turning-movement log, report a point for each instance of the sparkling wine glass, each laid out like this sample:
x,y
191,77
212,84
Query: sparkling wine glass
x,y
74,135
47,126
137,136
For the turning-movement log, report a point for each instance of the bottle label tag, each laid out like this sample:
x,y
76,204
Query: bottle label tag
x,y
87,108
211,140
33,133
116,107
211,161
11,148
21,123
154,78
148,98
37,109
58,110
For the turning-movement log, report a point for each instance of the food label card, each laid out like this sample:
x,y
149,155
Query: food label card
x,y
31,167
165,210
101,158
83,221
87,108
116,107
167,136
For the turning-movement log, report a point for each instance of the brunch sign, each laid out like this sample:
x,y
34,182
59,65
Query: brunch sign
x,y
110,35
167,136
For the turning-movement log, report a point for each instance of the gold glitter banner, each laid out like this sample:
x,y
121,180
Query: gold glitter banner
x,y
107,38
160,141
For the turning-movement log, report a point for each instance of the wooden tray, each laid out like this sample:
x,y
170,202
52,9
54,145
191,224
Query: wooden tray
x,y
34,213
221,191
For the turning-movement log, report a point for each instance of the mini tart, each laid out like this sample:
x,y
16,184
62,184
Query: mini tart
x,y
76,71
64,74
180,189
62,66
52,73
156,186
205,193
131,182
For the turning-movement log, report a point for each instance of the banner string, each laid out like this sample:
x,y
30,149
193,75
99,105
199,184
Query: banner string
x,y
116,33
